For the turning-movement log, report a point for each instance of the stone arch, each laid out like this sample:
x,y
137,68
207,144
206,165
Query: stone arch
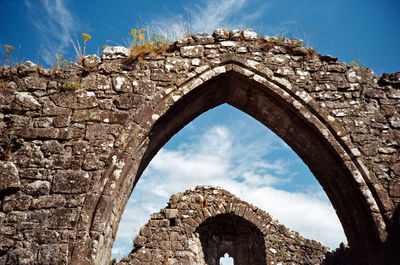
x,y
209,222
322,144
75,141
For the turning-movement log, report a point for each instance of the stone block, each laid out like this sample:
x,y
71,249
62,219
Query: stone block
x,y
62,218
91,61
203,38
34,83
117,52
95,81
25,101
22,256
192,51
394,189
139,241
249,35
9,176
38,187
220,34
49,201
70,181
76,99
128,100
171,213
51,254
16,202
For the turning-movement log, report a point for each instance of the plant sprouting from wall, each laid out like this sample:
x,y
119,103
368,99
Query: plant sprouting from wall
x,y
61,62
77,47
356,63
9,50
138,36
142,44
85,38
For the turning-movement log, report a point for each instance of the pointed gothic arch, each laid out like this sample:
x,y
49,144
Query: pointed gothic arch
x,y
75,142
318,139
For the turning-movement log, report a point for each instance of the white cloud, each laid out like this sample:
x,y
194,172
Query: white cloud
x,y
55,23
233,159
209,15
214,14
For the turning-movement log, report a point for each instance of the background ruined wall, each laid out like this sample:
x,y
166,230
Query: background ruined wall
x,y
173,235
73,139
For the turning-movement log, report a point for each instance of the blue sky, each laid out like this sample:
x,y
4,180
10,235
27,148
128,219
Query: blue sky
x,y
223,146
368,30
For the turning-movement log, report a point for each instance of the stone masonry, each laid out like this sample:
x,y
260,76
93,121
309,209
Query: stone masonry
x,y
76,140
199,226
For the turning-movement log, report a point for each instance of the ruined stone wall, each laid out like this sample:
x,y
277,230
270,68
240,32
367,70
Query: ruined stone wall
x,y
75,140
175,235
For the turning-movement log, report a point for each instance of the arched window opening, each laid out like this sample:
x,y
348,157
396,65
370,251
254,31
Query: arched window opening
x,y
226,260
229,233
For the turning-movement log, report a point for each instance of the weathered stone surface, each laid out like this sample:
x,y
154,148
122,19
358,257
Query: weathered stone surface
x,y
34,83
91,61
28,67
70,182
9,177
79,99
234,34
117,52
96,82
203,38
84,132
16,202
390,79
26,101
38,187
221,34
128,100
249,35
171,213
54,254
394,189
192,51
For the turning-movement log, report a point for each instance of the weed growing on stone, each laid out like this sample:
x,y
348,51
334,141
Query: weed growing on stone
x,y
85,38
9,50
356,63
80,53
143,45
61,62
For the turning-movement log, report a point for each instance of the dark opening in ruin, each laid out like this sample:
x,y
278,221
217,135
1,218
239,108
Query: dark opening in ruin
x,y
172,222
229,233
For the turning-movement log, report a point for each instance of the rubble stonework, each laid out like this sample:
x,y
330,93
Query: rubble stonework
x,y
199,226
76,140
